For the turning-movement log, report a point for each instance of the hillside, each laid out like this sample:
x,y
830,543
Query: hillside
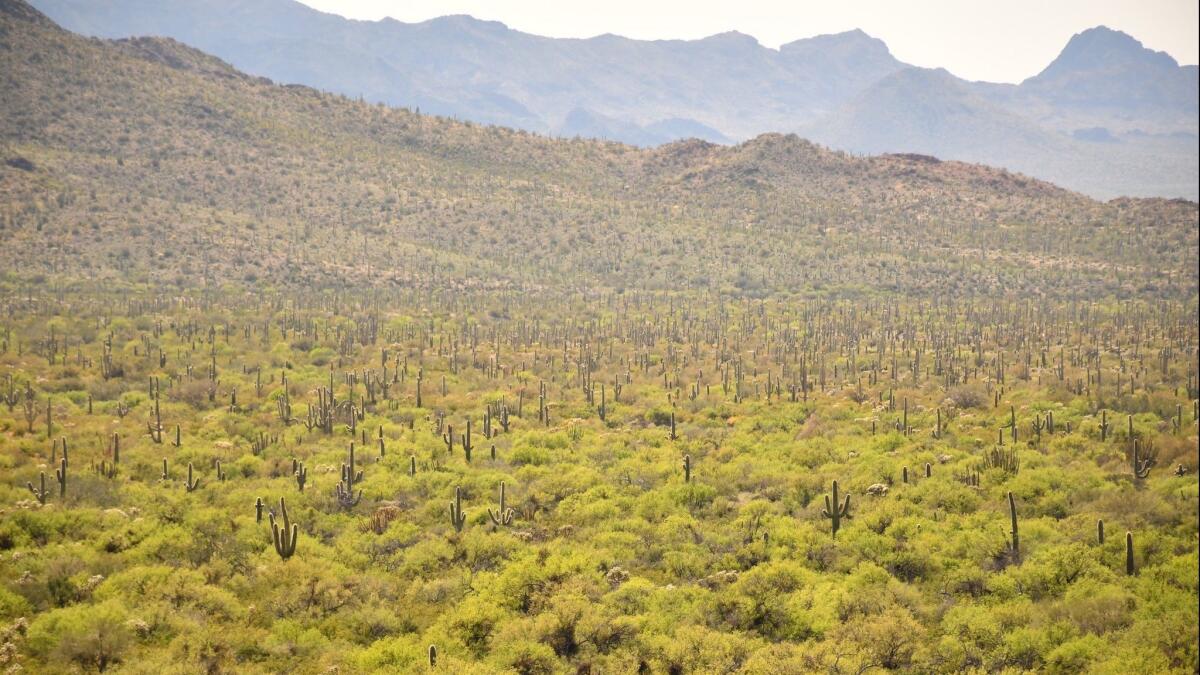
x,y
148,160
1121,119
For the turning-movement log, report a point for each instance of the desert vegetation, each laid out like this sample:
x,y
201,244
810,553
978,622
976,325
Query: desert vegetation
x,y
293,383
606,482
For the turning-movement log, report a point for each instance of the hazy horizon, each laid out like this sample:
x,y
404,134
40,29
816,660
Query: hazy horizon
x,y
985,43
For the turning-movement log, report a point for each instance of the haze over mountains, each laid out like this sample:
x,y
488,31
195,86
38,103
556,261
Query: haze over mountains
x,y
149,161
1108,117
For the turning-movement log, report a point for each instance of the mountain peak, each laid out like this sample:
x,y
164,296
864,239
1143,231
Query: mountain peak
x,y
852,45
856,37
732,38
1102,47
464,22
1106,68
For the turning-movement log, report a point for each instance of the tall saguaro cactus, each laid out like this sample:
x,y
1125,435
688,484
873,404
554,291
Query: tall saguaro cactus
x,y
191,484
351,476
284,537
836,510
457,517
467,446
39,492
505,515
1142,459
1015,544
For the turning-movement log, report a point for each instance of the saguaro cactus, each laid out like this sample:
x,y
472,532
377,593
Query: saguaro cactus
x,y
344,492
1100,531
285,537
835,511
1142,459
458,518
505,515
1129,567
39,492
155,429
191,484
687,468
61,474
1015,544
301,473
467,446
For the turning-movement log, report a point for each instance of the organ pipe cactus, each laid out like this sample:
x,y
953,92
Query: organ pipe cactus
x,y
1005,459
835,510
284,537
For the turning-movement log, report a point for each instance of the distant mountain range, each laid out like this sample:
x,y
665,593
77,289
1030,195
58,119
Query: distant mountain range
x,y
145,160
1108,117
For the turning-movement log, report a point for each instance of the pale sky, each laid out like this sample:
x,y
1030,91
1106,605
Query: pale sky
x,y
994,41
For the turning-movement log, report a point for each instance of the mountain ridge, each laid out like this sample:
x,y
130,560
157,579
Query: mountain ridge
x,y
146,161
725,87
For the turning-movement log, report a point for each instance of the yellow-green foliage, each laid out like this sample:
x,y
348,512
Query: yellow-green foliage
x,y
611,560
780,315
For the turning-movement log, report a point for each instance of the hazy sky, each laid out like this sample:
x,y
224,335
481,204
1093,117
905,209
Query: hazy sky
x,y
995,41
